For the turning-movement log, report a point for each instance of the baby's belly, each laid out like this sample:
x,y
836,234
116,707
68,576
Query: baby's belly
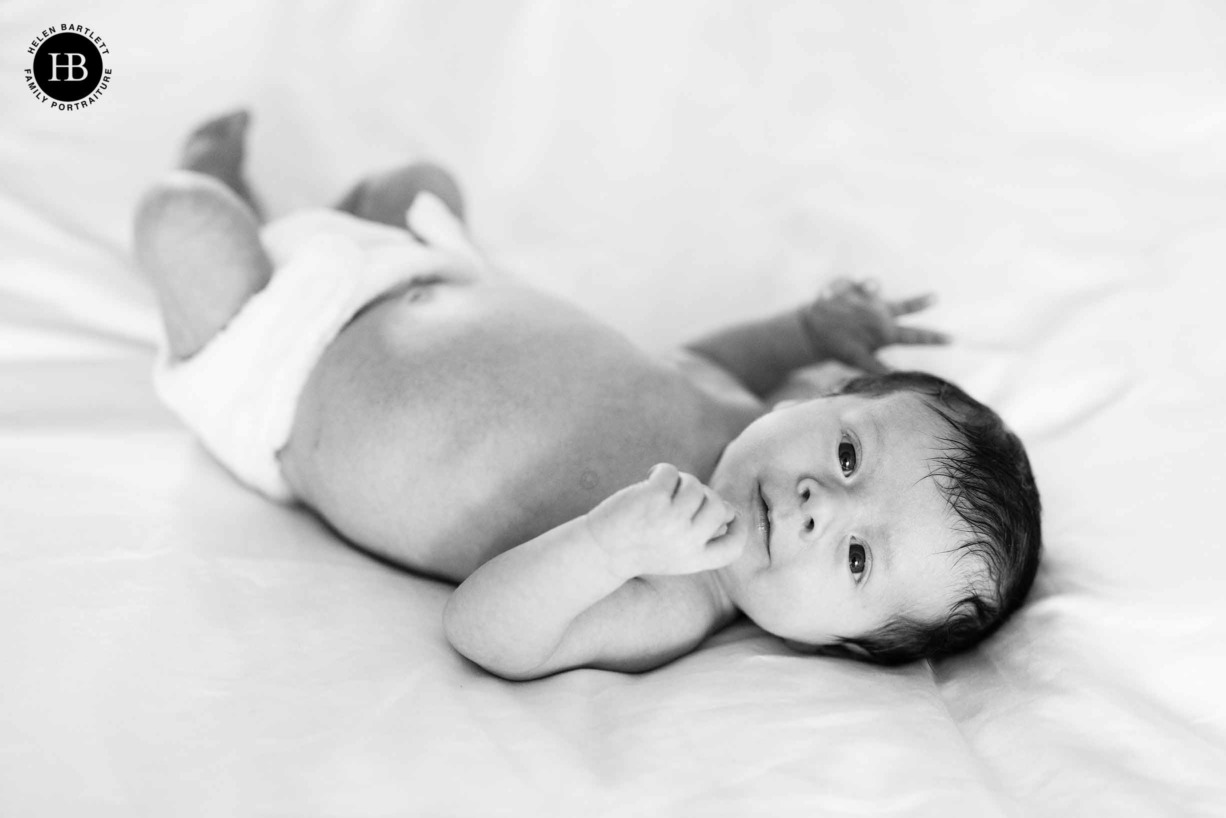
x,y
439,432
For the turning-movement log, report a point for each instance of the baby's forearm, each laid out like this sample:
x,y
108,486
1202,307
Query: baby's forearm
x,y
761,353
513,612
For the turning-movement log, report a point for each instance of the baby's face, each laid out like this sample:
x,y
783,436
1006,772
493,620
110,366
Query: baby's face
x,y
845,529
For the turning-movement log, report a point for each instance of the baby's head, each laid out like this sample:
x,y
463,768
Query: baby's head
x,y
895,520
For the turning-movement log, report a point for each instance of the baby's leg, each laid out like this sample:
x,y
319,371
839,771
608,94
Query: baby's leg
x,y
198,239
217,148
386,196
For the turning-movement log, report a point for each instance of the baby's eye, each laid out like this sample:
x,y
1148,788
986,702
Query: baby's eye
x,y
857,560
847,458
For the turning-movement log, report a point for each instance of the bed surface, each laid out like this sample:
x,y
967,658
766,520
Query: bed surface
x,y
173,644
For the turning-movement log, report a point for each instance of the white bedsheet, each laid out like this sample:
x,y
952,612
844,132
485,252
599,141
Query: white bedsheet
x,y
174,645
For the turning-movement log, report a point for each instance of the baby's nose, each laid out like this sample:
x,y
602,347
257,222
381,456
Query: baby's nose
x,y
809,505
820,508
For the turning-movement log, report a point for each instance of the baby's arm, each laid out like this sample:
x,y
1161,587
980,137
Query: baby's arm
x,y
581,595
849,323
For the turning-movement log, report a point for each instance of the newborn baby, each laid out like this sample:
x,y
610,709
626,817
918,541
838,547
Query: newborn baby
x,y
599,506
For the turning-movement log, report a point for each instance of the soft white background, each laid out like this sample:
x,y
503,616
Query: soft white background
x,y
1056,172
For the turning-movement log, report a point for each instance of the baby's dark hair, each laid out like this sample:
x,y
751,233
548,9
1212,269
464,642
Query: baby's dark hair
x,y
985,475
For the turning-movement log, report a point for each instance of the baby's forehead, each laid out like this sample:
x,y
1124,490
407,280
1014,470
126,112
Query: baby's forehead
x,y
903,413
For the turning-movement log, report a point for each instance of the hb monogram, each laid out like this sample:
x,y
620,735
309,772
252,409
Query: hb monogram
x,y
71,65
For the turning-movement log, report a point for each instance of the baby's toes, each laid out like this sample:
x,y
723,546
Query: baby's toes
x,y
227,127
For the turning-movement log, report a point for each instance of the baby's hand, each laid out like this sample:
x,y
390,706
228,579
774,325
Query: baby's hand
x,y
668,524
850,322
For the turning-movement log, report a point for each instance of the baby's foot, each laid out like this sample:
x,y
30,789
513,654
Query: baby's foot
x,y
216,148
201,247
386,197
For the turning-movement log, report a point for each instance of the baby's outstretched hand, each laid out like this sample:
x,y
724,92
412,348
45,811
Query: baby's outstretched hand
x,y
851,321
668,524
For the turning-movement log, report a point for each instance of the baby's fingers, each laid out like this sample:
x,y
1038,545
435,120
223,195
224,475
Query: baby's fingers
x,y
690,497
906,306
713,514
664,477
915,335
723,550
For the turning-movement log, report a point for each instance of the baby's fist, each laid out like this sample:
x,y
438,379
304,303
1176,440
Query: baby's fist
x,y
668,524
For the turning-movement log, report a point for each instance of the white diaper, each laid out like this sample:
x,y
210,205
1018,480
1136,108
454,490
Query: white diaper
x,y
239,394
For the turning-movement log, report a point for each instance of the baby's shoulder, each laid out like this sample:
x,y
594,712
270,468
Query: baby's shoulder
x,y
714,381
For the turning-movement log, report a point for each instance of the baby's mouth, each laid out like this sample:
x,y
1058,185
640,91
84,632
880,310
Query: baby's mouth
x,y
764,521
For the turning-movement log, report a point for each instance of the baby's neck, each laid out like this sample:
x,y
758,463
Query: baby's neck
x,y
723,594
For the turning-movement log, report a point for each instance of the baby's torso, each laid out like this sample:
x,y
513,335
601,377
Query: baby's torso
x,y
449,423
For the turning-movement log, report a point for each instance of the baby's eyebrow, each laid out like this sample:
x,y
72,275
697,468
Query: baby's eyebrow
x,y
877,433
883,547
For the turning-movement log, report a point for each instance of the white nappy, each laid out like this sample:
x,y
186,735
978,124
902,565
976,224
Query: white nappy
x,y
239,394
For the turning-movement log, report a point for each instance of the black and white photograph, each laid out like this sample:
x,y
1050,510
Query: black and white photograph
x,y
612,409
